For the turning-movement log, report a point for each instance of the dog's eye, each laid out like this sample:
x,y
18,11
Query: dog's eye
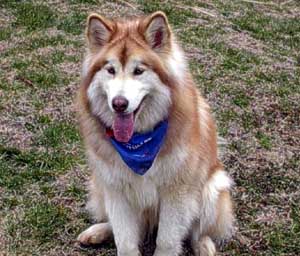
x,y
138,71
111,71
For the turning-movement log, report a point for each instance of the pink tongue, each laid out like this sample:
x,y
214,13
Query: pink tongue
x,y
123,127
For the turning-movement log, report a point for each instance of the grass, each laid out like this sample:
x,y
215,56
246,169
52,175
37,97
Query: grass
x,y
264,140
73,23
5,34
19,169
267,28
58,135
284,241
245,59
175,15
41,221
33,16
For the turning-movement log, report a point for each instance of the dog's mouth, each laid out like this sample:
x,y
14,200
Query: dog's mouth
x,y
123,124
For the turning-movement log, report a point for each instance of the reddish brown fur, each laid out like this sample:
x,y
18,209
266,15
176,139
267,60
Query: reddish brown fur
x,y
127,40
185,123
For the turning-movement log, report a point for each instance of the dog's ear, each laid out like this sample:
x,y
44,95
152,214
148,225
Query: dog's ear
x,y
99,31
157,31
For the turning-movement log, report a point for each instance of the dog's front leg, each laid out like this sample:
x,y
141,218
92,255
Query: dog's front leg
x,y
178,209
125,222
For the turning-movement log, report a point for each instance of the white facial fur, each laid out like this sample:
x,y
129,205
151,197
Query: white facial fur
x,y
177,62
145,89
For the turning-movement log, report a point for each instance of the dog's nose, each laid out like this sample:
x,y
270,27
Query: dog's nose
x,y
119,104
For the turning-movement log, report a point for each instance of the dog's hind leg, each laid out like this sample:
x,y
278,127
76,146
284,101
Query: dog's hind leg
x,y
96,234
220,226
204,247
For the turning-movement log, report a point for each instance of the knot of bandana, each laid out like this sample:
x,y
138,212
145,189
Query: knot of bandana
x,y
141,150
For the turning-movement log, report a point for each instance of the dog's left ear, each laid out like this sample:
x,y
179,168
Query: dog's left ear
x,y
157,31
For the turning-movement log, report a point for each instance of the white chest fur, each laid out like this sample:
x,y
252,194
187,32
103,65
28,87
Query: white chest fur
x,y
142,191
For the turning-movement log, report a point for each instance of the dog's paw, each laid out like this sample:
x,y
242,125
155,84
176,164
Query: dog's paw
x,y
95,234
205,247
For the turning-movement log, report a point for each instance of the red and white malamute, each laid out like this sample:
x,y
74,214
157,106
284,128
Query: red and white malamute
x,y
150,140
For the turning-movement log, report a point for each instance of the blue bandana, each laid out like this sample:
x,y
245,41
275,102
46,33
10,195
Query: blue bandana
x,y
140,151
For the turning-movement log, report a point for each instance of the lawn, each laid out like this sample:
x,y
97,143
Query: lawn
x,y
245,57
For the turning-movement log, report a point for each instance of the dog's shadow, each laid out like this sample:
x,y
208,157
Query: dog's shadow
x,y
147,247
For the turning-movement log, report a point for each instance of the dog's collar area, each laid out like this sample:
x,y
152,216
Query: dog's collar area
x,y
141,150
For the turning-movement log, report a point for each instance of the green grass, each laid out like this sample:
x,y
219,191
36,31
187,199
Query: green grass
x,y
264,140
57,135
41,73
42,41
43,222
5,33
83,1
245,60
45,41
75,191
73,23
241,100
175,16
266,28
285,241
40,224
22,168
234,59
33,16
43,79
198,35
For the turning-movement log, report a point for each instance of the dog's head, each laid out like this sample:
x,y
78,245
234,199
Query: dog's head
x,y
133,63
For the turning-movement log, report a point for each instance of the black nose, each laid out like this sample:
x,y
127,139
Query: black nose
x,y
119,103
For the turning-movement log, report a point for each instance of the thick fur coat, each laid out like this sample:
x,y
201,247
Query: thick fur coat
x,y
186,191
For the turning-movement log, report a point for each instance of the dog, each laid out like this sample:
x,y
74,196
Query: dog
x,y
150,141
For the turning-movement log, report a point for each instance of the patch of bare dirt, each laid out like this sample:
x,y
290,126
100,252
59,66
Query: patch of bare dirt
x,y
204,58
16,115
289,10
72,69
119,9
6,17
289,65
60,104
243,41
274,215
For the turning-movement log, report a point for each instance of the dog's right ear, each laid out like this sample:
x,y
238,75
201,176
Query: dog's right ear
x,y
99,31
